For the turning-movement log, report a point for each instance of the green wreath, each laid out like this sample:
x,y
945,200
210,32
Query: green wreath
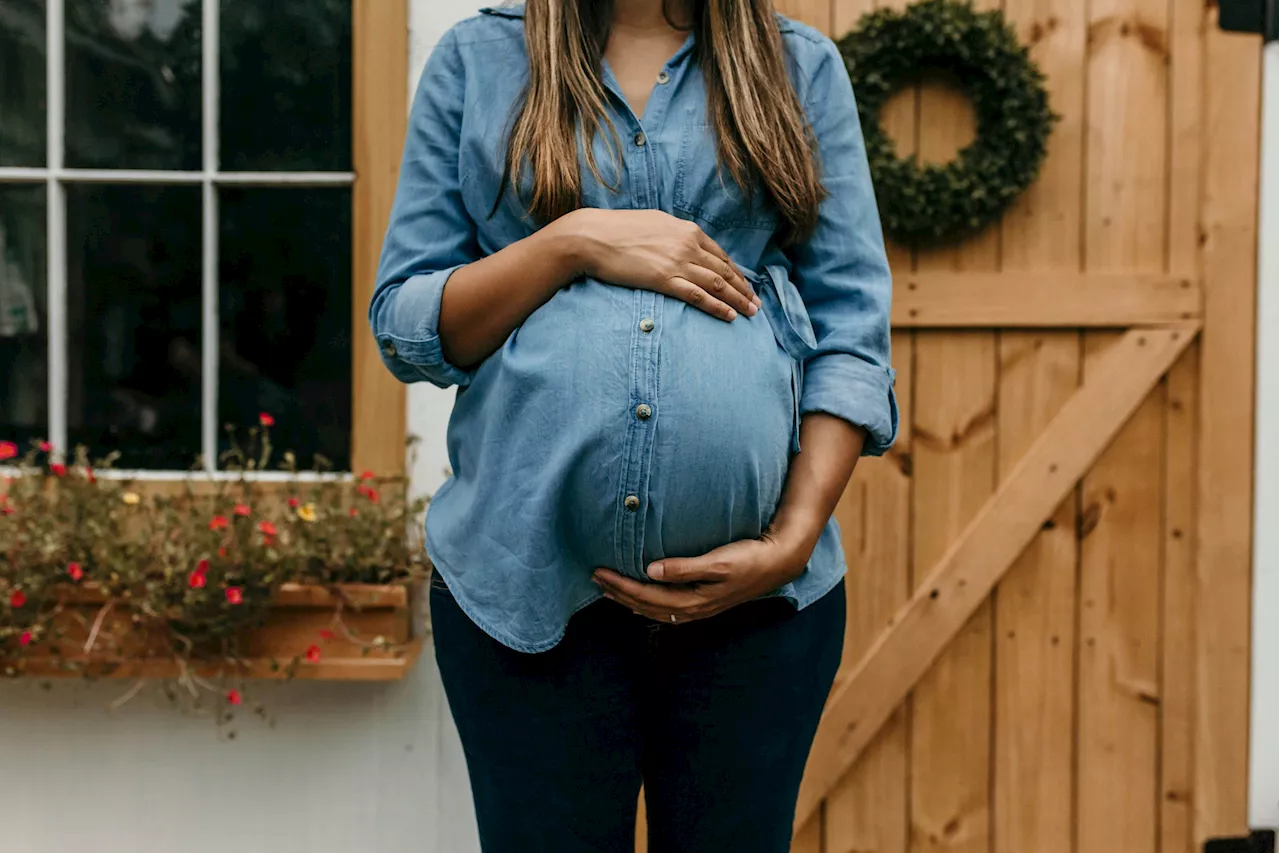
x,y
932,204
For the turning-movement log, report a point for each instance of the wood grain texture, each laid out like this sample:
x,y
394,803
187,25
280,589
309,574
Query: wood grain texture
x,y
1058,298
1225,462
959,583
380,75
1034,725
1125,231
955,473
815,13
867,809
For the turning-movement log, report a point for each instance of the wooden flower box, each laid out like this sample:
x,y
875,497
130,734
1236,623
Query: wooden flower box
x,y
276,648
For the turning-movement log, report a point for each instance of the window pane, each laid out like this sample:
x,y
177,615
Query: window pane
x,y
133,84
286,85
285,314
24,371
134,317
22,88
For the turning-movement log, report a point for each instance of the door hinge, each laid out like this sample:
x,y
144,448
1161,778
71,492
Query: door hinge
x,y
1248,16
1258,841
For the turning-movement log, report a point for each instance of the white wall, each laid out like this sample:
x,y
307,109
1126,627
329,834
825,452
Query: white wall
x,y
345,769
1264,746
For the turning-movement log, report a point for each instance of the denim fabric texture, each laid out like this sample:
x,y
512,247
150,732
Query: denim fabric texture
x,y
615,427
716,716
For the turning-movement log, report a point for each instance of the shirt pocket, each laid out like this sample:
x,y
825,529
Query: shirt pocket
x,y
784,308
703,192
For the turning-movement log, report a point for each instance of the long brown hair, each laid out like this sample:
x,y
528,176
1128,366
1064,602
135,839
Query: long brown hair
x,y
759,125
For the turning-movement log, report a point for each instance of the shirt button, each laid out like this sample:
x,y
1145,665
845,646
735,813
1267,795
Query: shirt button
x,y
664,78
646,325
389,349
639,139
631,502
643,412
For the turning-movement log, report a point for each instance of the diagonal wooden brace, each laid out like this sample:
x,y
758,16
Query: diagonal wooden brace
x,y
861,702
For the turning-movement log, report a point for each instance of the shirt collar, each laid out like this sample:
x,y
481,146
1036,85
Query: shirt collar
x,y
513,11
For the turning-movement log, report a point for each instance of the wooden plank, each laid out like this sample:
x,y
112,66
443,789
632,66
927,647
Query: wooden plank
x,y
815,13
867,809
1223,551
1034,724
380,80
1125,231
955,473
1058,298
961,580
1177,678
1178,608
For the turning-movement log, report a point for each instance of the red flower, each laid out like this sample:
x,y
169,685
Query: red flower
x,y
242,510
222,552
25,639
367,475
58,469
75,571
266,420
235,595
202,566
268,541
88,473
17,598
326,634
196,580
7,510
353,512
372,495
267,528
46,447
234,697
313,654
219,522
294,503
8,450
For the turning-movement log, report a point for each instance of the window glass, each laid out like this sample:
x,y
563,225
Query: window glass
x,y
133,84
133,322
285,316
286,85
22,86
24,317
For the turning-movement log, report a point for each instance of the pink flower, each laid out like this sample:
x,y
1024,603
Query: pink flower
x,y
219,522
58,469
268,529
326,634
25,638
17,598
313,654
242,510
353,512
266,420
8,450
196,580
235,595
202,566
7,510
46,447
234,697
75,571
294,503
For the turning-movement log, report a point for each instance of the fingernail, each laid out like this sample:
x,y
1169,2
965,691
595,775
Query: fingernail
x,y
733,315
755,297
655,571
751,310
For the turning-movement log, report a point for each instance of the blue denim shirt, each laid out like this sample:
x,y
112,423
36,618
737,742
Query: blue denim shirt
x,y
615,427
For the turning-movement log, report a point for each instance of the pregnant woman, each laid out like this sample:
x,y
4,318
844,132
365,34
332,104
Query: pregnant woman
x,y
641,239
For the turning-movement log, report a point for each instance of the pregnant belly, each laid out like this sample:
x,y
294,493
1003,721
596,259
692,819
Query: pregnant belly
x,y
724,433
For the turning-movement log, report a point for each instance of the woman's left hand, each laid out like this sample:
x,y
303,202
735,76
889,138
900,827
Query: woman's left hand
x,y
700,587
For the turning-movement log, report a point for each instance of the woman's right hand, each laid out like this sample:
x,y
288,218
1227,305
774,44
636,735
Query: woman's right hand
x,y
653,250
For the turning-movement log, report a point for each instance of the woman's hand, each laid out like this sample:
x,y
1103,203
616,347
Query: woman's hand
x,y
701,587
653,250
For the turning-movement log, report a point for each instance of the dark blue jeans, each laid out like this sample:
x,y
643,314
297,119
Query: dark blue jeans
x,y
715,717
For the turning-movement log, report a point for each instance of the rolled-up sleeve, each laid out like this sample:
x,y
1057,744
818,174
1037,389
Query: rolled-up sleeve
x,y
430,234
842,271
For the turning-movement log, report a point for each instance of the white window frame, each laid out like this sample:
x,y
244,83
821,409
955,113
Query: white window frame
x,y
209,178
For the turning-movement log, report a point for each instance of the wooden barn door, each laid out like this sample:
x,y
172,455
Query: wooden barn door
x,y
1049,575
